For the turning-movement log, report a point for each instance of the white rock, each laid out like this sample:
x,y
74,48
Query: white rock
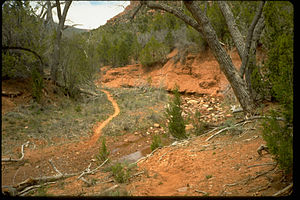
x,y
193,102
156,125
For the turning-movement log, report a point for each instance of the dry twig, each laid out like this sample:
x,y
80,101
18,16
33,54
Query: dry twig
x,y
283,190
21,158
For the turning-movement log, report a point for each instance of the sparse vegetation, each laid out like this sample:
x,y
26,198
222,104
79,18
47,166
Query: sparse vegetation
x,y
61,120
137,107
173,112
156,142
103,152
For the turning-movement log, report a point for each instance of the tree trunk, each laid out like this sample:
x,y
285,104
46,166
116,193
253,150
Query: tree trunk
x,y
56,50
232,27
238,84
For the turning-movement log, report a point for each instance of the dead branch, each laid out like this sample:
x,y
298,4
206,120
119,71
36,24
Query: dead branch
x,y
264,164
217,133
93,171
5,48
108,181
200,191
21,158
86,181
283,190
11,94
27,190
87,170
146,157
50,161
262,148
109,189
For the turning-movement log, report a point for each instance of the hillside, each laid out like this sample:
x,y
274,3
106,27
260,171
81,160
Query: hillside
x,y
97,113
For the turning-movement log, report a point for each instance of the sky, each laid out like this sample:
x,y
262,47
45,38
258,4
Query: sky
x,y
91,14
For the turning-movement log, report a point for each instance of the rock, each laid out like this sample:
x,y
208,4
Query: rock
x,y
183,189
189,127
193,102
27,165
205,105
147,133
209,109
229,115
156,125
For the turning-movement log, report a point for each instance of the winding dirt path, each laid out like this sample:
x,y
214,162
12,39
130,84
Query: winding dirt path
x,y
69,157
98,129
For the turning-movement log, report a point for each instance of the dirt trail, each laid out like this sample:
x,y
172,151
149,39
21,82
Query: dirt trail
x,y
70,157
100,126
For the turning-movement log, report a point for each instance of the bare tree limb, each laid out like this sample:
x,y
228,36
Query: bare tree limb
x,y
58,9
232,26
283,190
21,158
136,11
264,164
178,13
24,49
245,57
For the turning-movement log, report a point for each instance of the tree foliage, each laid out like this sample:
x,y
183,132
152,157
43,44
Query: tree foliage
x,y
278,72
173,113
153,53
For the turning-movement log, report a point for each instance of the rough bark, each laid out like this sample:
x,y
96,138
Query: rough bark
x,y
251,65
249,38
232,26
238,84
59,29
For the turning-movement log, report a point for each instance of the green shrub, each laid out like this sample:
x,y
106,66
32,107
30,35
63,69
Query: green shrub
x,y
176,124
153,53
156,142
279,138
37,85
119,173
278,40
103,152
200,126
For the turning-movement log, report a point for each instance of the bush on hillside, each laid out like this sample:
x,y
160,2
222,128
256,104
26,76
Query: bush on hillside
x,y
173,113
153,53
278,39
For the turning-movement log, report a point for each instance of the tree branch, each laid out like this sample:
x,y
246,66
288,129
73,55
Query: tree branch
x,y
249,38
21,158
24,49
58,9
232,26
190,21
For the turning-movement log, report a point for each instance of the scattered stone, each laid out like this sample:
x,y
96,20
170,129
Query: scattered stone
x,y
209,109
193,102
205,105
27,165
183,189
189,127
156,125
93,160
147,133
229,115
